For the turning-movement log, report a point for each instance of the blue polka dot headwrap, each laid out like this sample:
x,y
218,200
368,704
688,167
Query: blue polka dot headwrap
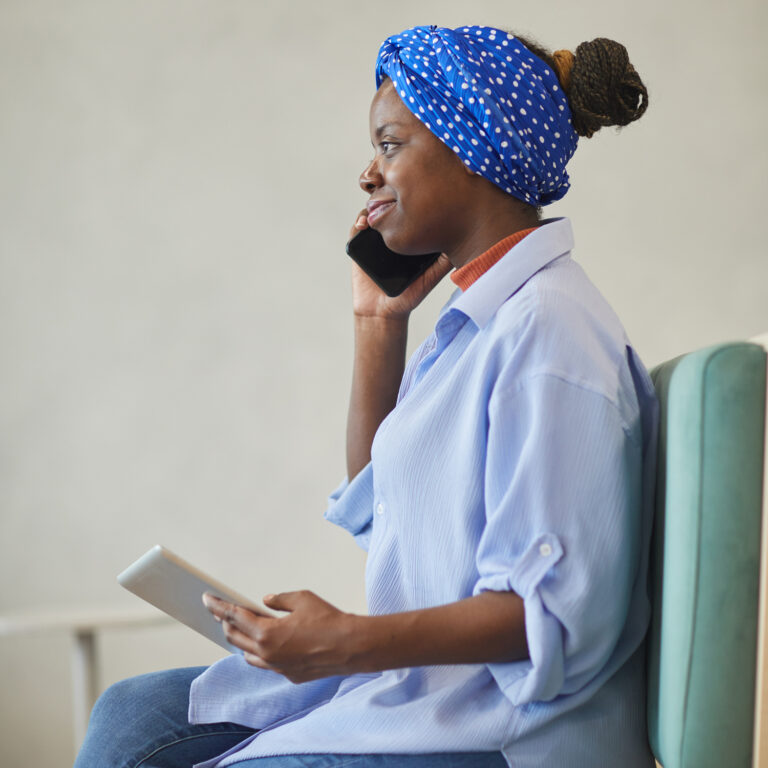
x,y
487,97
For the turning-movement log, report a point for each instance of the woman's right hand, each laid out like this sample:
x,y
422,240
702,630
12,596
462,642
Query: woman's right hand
x,y
381,335
368,300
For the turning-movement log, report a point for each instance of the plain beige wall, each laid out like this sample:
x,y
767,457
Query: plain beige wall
x,y
178,179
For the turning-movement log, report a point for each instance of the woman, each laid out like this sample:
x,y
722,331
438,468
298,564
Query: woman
x,y
501,482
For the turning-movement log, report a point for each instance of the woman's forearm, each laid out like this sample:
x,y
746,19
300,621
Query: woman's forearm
x,y
315,639
378,367
489,627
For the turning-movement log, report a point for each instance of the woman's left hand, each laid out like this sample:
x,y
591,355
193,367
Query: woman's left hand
x,y
313,640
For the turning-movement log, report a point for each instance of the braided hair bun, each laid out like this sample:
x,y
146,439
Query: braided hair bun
x,y
602,86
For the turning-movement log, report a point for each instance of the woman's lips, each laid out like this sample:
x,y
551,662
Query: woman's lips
x,y
378,209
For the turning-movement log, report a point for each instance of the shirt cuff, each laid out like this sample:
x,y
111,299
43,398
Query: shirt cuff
x,y
350,506
541,676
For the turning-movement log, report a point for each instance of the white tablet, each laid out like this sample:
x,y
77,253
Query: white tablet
x,y
175,586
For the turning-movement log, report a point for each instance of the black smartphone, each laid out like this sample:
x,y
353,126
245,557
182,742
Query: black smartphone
x,y
392,272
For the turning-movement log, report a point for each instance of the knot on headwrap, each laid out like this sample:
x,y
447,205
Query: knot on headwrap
x,y
487,97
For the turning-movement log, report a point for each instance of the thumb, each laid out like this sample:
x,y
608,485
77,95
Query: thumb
x,y
442,265
437,271
285,601
360,224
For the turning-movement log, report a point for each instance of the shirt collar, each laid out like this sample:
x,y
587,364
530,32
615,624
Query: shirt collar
x,y
470,272
481,301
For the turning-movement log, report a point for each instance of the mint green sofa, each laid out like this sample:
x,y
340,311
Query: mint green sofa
x,y
705,572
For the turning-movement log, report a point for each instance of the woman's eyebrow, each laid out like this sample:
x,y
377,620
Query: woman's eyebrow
x,y
384,128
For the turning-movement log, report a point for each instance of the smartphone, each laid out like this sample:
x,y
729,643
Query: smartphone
x,y
392,272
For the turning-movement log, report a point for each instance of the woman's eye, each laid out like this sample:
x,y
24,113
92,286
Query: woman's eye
x,y
386,146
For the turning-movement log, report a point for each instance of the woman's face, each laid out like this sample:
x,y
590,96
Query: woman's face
x,y
419,189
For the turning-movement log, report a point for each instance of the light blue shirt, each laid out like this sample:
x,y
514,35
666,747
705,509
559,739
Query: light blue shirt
x,y
520,456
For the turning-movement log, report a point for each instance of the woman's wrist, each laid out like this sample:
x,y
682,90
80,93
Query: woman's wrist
x,y
381,341
373,643
384,320
375,331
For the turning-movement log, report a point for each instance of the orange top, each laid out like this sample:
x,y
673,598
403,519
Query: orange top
x,y
466,275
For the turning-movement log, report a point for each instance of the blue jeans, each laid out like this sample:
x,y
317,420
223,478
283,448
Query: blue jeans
x,y
142,723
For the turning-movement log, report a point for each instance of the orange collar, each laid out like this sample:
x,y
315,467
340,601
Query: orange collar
x,y
466,275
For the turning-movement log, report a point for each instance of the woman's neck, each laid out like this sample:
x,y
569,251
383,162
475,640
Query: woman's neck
x,y
495,218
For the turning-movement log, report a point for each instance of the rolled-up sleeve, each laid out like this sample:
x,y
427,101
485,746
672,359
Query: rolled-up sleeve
x,y
563,529
350,506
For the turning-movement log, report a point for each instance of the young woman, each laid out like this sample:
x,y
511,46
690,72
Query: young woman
x,y
501,481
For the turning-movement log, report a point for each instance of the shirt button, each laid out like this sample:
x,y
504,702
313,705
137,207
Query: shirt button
x,y
380,509
545,550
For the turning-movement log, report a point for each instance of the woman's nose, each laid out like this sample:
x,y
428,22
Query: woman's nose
x,y
370,178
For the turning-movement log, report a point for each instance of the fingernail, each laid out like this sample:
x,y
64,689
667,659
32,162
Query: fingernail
x,y
269,597
361,221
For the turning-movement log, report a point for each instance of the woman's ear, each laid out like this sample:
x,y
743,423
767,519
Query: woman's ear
x,y
460,160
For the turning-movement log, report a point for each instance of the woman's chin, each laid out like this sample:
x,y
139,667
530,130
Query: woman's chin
x,y
401,245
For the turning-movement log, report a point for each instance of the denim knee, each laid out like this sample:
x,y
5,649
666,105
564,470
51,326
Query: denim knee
x,y
134,714
119,703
